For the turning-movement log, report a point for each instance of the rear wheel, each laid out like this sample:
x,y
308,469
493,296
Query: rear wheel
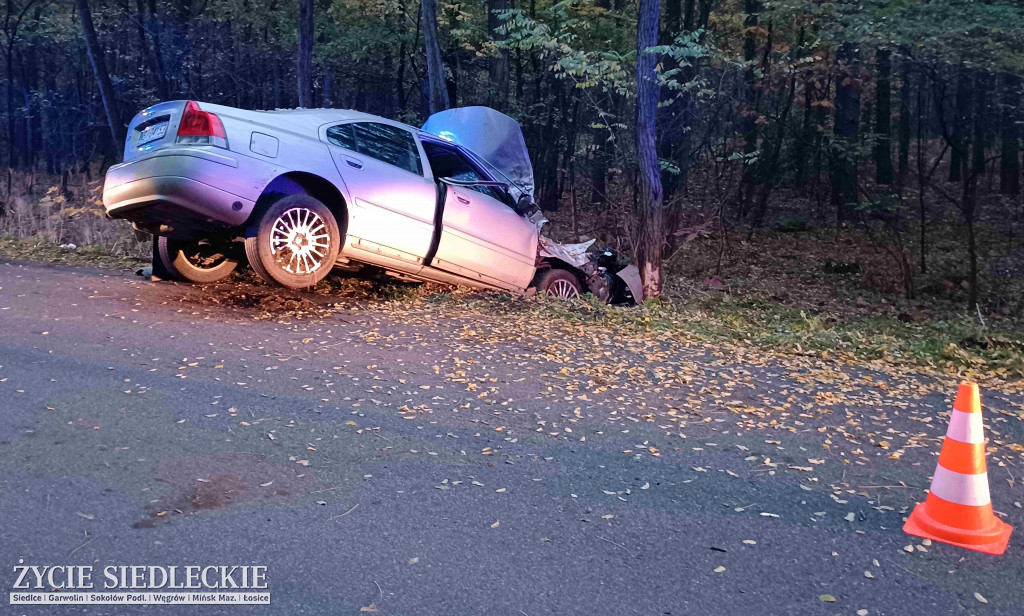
x,y
203,260
294,243
560,283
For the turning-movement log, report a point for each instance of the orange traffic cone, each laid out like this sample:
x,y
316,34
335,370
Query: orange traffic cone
x,y
958,510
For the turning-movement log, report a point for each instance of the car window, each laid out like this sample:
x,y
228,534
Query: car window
x,y
386,143
342,136
447,162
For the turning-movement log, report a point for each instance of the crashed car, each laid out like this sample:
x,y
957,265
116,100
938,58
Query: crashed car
x,y
300,192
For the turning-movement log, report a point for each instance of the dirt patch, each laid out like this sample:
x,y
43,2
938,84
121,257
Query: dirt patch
x,y
219,481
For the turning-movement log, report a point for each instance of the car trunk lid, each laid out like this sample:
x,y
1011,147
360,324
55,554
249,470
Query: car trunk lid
x,y
153,128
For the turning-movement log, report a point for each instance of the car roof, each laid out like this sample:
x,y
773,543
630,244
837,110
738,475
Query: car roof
x,y
326,116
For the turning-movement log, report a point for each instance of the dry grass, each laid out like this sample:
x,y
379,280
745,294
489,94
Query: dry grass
x,y
41,212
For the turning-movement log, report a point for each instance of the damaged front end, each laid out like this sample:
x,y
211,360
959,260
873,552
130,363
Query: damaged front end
x,y
606,274
496,143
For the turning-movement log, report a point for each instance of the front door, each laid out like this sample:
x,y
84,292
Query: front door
x,y
483,235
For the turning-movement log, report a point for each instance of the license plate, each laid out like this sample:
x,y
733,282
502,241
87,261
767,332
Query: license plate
x,y
152,133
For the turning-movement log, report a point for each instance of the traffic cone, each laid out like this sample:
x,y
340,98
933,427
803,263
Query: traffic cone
x,y
958,509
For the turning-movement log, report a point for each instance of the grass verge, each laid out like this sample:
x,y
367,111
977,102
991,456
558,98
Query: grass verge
x,y
43,251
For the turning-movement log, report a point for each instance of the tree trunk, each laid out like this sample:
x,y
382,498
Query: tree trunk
x,y
748,108
304,67
649,247
970,194
498,70
153,28
844,161
904,121
438,89
151,59
958,143
921,202
883,114
99,69
11,151
1009,159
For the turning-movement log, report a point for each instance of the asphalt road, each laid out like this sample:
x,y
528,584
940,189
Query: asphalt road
x,y
426,462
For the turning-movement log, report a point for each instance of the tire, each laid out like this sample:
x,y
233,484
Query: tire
x,y
560,283
270,243
201,260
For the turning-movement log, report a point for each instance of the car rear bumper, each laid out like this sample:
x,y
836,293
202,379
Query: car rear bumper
x,y
172,193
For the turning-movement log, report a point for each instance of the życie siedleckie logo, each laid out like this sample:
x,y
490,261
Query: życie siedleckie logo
x,y
140,577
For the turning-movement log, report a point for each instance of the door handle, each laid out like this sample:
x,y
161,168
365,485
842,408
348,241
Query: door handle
x,y
355,164
461,199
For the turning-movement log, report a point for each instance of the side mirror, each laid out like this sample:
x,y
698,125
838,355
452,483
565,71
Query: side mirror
x,y
525,206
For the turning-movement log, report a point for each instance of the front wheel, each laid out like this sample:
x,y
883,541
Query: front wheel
x,y
203,260
294,243
560,283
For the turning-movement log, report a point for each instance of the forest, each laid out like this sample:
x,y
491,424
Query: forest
x,y
874,140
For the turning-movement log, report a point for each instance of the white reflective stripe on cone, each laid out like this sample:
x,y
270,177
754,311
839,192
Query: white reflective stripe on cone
x,y
971,490
966,427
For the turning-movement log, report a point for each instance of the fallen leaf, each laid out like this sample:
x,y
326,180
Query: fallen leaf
x,y
827,598
719,569
496,524
978,596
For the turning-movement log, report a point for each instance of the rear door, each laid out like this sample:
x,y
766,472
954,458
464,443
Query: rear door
x,y
480,235
393,199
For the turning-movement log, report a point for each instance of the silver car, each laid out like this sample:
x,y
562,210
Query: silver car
x,y
300,192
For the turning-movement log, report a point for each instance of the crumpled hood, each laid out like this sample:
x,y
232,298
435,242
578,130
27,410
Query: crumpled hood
x,y
489,134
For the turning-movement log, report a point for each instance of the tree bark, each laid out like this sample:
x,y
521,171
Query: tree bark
x,y
847,111
904,122
883,115
498,70
436,86
748,108
304,67
152,53
99,69
1009,159
649,247
961,127
970,191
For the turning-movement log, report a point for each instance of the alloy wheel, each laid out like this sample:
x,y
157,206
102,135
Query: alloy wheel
x,y
299,241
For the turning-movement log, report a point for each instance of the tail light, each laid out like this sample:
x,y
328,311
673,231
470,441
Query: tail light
x,y
198,127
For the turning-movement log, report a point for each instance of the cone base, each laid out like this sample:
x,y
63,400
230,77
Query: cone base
x,y
991,540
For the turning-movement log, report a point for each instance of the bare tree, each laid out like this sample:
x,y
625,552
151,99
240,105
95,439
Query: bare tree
x,y
844,160
649,247
305,59
1009,166
99,69
498,70
883,117
435,69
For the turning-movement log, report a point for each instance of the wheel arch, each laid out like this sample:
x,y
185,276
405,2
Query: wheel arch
x,y
301,182
548,263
